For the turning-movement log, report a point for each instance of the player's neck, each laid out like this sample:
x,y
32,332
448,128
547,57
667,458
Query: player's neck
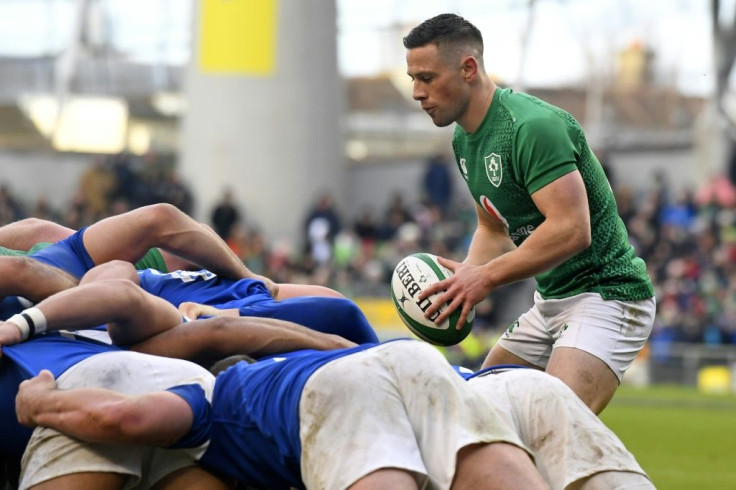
x,y
478,106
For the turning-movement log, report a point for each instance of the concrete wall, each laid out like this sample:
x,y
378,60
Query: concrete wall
x,y
275,139
31,175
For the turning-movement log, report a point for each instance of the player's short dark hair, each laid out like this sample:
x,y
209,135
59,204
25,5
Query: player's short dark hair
x,y
445,29
228,362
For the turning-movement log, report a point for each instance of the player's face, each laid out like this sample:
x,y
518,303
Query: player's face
x,y
438,84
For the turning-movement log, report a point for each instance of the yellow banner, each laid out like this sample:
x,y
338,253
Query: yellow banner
x,y
238,36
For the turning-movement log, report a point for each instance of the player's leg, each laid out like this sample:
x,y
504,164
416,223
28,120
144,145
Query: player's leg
x,y
128,236
589,377
386,478
525,342
614,479
23,276
23,234
131,313
83,481
596,341
496,466
193,478
115,269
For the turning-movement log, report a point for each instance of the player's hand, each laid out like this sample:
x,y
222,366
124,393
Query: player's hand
x,y
464,289
31,397
193,310
272,287
9,335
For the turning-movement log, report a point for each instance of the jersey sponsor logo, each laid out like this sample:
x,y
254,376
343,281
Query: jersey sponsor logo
x,y
464,167
521,232
190,276
491,209
494,170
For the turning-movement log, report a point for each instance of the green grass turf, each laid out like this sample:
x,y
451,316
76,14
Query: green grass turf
x,y
683,439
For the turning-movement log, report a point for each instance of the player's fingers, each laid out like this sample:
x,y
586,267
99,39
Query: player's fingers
x,y
463,316
438,302
451,307
443,285
450,264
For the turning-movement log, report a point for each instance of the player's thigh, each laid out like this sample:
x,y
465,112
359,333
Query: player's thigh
x,y
23,234
525,342
611,330
589,377
125,236
84,481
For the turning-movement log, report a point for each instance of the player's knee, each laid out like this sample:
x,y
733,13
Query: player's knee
x,y
115,269
128,293
159,217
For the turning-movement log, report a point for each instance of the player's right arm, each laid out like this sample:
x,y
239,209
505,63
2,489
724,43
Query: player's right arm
x,y
490,239
206,341
100,415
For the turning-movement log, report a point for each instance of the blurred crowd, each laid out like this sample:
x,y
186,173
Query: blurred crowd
x,y
687,238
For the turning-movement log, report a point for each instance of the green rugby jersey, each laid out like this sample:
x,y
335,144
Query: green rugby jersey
x,y
524,144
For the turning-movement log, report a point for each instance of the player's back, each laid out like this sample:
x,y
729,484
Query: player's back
x,y
257,406
202,287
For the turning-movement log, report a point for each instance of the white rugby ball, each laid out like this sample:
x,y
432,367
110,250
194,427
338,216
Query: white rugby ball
x,y
412,275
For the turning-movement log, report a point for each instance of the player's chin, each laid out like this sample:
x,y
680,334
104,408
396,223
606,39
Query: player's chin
x,y
442,122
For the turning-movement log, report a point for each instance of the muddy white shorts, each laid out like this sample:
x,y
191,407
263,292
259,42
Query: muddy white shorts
x,y
50,454
568,440
613,331
399,405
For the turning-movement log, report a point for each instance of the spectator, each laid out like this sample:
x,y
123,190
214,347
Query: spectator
x,y
320,228
437,182
225,215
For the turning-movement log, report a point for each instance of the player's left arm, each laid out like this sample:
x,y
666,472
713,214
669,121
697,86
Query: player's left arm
x,y
100,415
131,314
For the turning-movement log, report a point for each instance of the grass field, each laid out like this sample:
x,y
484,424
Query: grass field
x,y
683,439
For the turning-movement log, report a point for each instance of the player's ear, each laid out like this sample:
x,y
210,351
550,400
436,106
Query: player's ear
x,y
469,67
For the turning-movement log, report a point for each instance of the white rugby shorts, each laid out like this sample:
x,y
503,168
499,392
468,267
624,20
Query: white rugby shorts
x,y
398,405
613,331
568,441
50,454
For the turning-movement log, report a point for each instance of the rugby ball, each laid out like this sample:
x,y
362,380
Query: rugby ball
x,y
412,275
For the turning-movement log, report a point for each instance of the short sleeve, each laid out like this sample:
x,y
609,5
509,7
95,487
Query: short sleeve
x,y
201,407
544,150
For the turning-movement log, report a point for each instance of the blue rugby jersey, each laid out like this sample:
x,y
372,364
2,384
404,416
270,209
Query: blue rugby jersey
x,y
53,351
254,417
250,297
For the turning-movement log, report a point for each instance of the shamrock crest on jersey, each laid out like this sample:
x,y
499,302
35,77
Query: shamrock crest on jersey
x,y
494,171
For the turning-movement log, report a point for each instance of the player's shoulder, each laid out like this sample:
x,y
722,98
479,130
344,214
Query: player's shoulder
x,y
527,109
